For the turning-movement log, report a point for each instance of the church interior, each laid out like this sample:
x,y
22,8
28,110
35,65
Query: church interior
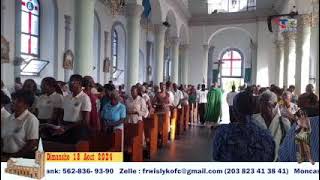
x,y
161,80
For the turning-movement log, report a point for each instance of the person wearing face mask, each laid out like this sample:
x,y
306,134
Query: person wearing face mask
x,y
270,118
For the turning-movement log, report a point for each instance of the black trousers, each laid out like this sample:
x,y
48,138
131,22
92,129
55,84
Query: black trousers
x,y
202,111
231,114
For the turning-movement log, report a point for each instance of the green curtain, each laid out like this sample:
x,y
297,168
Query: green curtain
x,y
215,74
247,75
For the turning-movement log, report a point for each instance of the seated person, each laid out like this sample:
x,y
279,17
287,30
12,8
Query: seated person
x,y
49,104
242,140
113,115
288,149
20,132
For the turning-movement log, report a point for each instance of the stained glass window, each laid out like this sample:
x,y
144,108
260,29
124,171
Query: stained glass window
x,y
30,24
232,64
217,6
115,47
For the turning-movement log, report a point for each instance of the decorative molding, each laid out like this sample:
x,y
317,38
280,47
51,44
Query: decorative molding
x,y
289,35
181,8
304,20
279,43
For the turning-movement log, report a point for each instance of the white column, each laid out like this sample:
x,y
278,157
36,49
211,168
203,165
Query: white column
x,y
279,44
107,75
84,37
315,42
175,60
205,63
210,65
159,52
289,58
133,13
67,30
185,63
303,53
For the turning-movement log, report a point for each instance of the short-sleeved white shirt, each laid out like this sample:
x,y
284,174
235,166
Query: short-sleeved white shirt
x,y
46,105
4,115
73,107
178,96
17,131
203,96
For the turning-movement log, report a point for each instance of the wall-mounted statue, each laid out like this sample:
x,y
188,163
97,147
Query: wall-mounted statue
x,y
5,49
107,65
68,59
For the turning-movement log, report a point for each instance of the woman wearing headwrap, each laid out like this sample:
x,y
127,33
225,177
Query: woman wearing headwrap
x,y
242,140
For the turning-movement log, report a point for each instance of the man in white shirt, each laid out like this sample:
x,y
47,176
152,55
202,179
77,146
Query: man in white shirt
x,y
171,95
270,118
202,103
49,105
177,96
230,97
20,132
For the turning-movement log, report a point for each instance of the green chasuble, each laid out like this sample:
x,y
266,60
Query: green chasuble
x,y
214,105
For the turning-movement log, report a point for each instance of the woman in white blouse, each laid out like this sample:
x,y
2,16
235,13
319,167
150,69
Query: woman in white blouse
x,y
49,104
136,106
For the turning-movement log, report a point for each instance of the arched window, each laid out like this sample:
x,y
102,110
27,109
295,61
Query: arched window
x,y
115,47
231,63
30,29
216,6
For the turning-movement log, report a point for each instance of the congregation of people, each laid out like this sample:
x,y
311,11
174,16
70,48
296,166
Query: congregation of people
x,y
263,120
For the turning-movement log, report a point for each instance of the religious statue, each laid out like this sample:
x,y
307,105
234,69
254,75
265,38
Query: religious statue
x,y
149,70
303,137
106,65
5,49
68,59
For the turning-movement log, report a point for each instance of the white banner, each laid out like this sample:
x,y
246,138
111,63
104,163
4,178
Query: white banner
x,y
174,171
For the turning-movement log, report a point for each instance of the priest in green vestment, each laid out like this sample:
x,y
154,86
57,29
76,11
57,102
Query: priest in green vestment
x,y
214,104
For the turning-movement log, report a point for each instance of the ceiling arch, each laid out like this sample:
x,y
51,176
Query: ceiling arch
x,y
171,18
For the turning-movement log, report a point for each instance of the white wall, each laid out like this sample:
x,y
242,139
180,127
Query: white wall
x,y
259,34
232,38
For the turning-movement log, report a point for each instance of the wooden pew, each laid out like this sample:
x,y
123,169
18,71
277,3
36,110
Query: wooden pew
x,y
151,134
186,117
163,121
179,121
102,141
173,124
133,144
50,146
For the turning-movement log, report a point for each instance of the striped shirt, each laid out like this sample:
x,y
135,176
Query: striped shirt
x,y
289,148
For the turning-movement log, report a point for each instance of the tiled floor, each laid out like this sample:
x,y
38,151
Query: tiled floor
x,y
193,146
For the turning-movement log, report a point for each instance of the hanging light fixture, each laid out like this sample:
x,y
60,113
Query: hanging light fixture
x,y
115,5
